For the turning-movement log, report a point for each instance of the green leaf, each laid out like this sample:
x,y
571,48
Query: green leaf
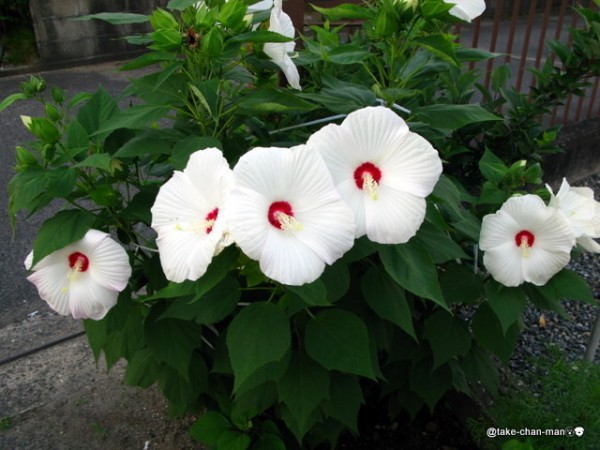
x,y
303,387
492,168
569,285
338,340
77,136
460,284
98,161
151,142
507,303
180,5
489,334
147,59
440,45
341,97
270,100
134,117
11,99
233,440
35,187
259,37
387,300
116,18
183,149
64,228
449,337
142,370
345,399
348,54
453,117
345,11
272,371
439,244
161,334
313,293
269,441
99,108
430,384
411,266
480,368
258,335
211,308
209,428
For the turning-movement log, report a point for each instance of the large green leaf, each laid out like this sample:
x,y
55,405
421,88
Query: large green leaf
x,y
35,187
98,109
303,387
452,117
259,37
460,284
162,334
339,340
211,308
345,399
134,117
428,383
492,168
448,336
489,334
439,244
387,299
507,303
271,100
411,266
479,368
314,293
209,428
568,285
64,228
116,18
142,370
258,335
345,11
441,45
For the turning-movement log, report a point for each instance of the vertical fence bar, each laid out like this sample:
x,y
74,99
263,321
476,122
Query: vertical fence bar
x,y
590,111
557,34
526,39
567,109
475,40
542,39
513,28
494,38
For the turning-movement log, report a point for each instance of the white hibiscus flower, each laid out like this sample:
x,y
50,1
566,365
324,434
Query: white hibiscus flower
x,y
84,278
285,213
525,241
188,217
582,210
466,10
382,170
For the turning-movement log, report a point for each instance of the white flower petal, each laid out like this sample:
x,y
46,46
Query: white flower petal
x,y
52,285
467,10
395,217
209,173
89,300
497,229
414,168
109,263
262,5
288,260
543,264
588,244
248,220
580,208
281,23
504,264
185,255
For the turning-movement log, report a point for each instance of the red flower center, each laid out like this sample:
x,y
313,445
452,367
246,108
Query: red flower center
x,y
78,262
524,239
366,170
278,211
210,219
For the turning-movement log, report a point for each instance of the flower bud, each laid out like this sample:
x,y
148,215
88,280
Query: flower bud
x,y
52,112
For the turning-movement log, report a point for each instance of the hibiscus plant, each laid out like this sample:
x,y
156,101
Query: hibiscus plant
x,y
280,237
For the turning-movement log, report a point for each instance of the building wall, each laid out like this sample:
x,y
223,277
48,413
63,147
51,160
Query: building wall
x,y
60,38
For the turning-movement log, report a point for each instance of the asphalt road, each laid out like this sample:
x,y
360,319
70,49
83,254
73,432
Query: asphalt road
x,y
18,298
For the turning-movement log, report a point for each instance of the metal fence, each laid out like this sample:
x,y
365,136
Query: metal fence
x,y
519,30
